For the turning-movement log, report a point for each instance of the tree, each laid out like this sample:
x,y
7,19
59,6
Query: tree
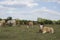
x,y
9,18
35,22
44,21
0,19
40,20
58,22
18,21
48,22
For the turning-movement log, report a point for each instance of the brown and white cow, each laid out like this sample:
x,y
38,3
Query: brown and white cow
x,y
45,29
30,24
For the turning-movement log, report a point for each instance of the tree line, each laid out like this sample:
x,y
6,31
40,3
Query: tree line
x,y
39,21
47,21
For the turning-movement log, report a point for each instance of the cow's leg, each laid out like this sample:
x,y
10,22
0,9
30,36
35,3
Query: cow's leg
x,y
44,32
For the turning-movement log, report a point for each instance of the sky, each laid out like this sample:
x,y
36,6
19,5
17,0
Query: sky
x,y
30,9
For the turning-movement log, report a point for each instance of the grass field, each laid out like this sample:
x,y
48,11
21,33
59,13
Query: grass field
x,y
22,33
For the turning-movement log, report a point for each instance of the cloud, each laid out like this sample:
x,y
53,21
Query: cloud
x,y
29,15
28,3
46,10
57,1
4,10
26,13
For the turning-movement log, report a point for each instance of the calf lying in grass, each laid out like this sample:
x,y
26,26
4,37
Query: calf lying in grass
x,y
45,29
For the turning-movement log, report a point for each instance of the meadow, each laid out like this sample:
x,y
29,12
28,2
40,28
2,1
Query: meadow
x,y
22,33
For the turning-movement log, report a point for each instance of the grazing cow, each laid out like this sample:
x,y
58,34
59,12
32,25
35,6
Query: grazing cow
x,y
17,22
45,29
11,22
30,24
2,22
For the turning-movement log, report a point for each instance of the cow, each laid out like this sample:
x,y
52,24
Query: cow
x,y
11,22
2,22
45,29
30,24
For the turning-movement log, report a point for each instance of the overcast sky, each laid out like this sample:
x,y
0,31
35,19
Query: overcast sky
x,y
30,9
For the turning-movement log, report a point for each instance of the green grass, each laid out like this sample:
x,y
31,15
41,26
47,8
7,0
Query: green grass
x,y
22,33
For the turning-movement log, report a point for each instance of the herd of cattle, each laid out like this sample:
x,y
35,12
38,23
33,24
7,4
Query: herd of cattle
x,y
14,22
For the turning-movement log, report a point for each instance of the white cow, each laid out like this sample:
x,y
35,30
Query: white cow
x,y
2,22
12,22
